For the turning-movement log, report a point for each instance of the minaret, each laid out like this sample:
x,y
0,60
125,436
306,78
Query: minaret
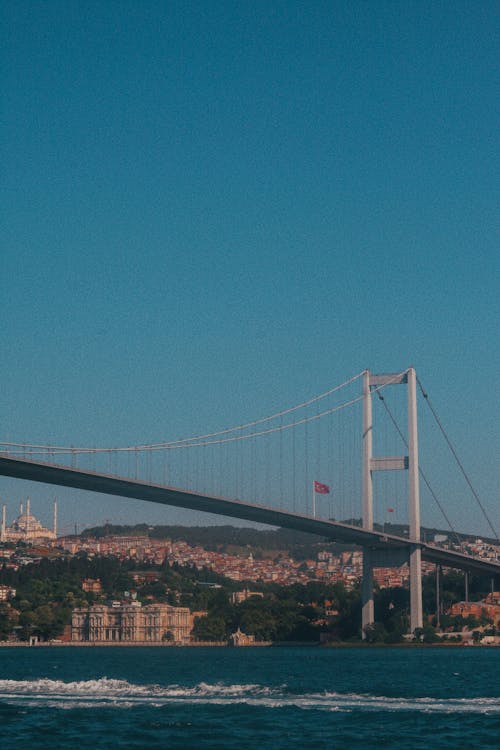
x,y
2,532
55,518
27,526
21,508
28,519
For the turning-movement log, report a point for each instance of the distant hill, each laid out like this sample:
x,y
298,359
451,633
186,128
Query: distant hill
x,y
216,537
300,544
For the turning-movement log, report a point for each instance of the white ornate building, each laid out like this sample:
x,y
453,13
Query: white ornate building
x,y
153,623
27,528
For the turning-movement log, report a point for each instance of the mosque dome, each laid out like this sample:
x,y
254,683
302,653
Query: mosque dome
x,y
27,527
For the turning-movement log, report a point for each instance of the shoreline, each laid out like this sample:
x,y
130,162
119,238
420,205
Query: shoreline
x,y
212,644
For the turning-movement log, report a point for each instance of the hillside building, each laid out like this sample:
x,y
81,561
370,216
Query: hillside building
x,y
490,606
6,592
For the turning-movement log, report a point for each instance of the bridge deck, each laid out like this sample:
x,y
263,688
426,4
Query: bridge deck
x,y
64,476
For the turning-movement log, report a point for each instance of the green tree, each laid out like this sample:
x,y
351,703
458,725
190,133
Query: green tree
x,y
45,622
426,634
375,633
260,623
484,619
27,621
210,628
7,621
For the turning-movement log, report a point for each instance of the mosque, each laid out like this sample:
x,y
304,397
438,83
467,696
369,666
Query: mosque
x,y
27,528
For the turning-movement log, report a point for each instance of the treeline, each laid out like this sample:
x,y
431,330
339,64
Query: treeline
x,y
268,538
287,614
46,594
299,544
222,538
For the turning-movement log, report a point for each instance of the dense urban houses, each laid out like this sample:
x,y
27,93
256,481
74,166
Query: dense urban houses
x,y
345,567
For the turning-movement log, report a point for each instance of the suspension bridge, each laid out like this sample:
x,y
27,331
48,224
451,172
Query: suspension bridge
x,y
268,471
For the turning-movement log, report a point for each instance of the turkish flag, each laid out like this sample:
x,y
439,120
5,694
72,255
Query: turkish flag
x,y
321,489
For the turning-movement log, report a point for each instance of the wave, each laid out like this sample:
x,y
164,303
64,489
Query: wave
x,y
122,694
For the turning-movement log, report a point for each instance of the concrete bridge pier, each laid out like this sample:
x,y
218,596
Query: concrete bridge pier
x,y
416,612
367,605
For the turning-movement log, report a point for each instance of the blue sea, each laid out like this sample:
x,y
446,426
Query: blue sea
x,y
248,698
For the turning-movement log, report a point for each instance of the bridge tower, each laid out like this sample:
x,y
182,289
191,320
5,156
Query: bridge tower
x,y
412,554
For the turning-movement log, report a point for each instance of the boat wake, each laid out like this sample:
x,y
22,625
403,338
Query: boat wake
x,y
122,694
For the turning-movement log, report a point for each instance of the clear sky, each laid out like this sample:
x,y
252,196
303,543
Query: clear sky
x,y
212,210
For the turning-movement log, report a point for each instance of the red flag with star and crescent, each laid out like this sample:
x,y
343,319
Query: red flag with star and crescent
x,y
321,489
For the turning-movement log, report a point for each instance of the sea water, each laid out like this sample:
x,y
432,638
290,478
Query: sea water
x,y
277,698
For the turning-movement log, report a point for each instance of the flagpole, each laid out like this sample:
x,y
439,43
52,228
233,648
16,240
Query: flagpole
x,y
314,501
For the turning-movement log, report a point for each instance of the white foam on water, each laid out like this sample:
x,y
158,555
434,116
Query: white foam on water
x,y
120,693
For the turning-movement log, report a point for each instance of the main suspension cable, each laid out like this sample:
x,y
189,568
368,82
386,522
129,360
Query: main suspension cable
x,y
457,459
180,445
189,440
421,471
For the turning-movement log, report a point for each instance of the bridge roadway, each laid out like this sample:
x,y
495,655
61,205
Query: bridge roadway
x,y
56,474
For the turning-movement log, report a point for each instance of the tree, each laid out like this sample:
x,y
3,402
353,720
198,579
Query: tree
x,y
260,623
7,620
45,622
210,628
471,622
375,633
484,619
27,621
427,634
430,635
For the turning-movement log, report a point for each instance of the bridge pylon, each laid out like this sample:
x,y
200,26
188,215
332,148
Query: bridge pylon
x,y
412,553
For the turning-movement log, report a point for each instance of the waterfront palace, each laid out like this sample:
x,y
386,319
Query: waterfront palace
x,y
131,622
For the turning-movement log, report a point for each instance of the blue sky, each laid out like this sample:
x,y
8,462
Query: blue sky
x,y
212,210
